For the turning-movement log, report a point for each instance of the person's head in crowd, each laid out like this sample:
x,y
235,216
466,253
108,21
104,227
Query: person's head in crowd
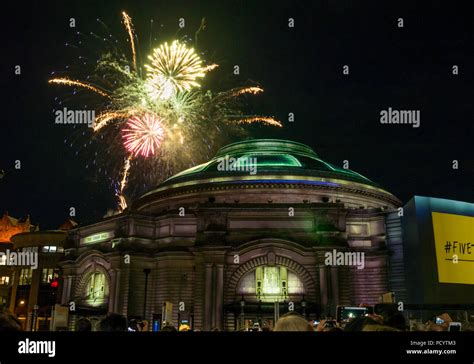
x,y
184,327
169,328
84,324
467,326
378,327
8,322
391,316
113,322
327,325
133,325
256,327
442,326
292,321
358,323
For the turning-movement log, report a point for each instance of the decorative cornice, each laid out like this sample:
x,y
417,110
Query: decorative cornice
x,y
387,197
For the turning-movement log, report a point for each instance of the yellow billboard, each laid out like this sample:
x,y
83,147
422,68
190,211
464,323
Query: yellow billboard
x,y
454,242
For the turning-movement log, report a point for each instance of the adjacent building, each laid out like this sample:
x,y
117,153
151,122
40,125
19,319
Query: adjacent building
x,y
431,241
30,273
9,226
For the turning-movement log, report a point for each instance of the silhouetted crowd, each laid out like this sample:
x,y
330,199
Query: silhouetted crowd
x,y
387,318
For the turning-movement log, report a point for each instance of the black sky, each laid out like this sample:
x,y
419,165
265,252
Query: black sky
x,y
300,69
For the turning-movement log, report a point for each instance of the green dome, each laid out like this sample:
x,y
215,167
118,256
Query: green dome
x,y
268,157
251,169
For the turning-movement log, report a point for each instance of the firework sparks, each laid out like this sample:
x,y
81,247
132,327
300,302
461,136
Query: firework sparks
x,y
164,113
125,172
248,90
236,92
256,119
68,82
210,67
127,21
104,118
107,116
122,203
173,68
143,135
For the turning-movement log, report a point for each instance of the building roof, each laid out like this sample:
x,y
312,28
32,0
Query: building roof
x,y
9,226
268,156
39,238
68,224
272,162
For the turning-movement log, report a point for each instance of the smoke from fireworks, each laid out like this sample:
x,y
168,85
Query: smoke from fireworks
x,y
162,122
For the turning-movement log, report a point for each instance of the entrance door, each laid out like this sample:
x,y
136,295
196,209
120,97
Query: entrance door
x,y
256,323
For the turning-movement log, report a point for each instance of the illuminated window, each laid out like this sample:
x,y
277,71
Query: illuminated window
x,y
270,283
30,249
52,249
247,284
25,276
48,274
3,260
295,286
4,280
96,289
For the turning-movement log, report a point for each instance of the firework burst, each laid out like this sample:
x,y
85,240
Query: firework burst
x,y
163,121
174,68
143,135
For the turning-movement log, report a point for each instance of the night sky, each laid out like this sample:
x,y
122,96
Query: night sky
x,y
300,68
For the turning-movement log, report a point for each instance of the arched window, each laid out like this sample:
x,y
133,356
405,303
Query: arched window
x,y
270,283
96,290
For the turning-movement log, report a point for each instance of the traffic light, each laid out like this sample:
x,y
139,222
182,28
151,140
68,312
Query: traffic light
x,y
54,283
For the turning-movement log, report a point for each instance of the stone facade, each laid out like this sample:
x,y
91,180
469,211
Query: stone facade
x,y
195,238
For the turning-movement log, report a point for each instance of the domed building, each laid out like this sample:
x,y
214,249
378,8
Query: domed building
x,y
234,241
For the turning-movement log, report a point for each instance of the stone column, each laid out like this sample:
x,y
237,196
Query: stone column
x,y
208,298
112,288
131,227
335,285
33,295
323,286
125,276
15,280
117,291
219,310
66,293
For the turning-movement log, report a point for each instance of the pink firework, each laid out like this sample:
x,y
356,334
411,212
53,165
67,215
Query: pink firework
x,y
143,135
